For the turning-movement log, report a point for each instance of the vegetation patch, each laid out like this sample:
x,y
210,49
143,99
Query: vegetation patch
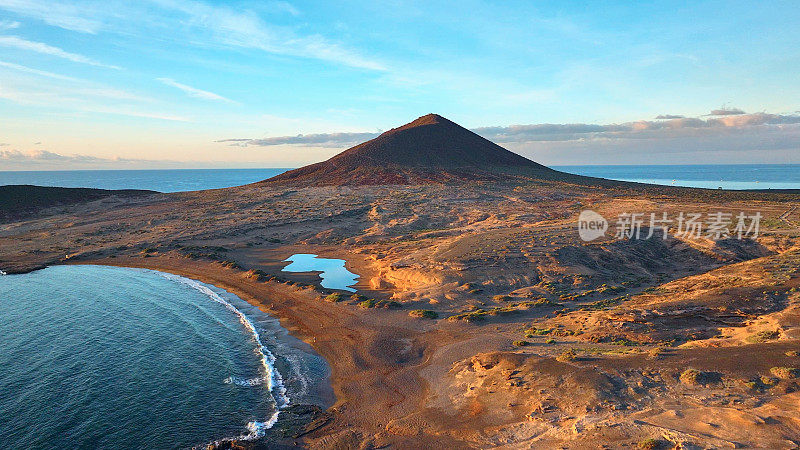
x,y
603,304
385,304
481,314
656,352
230,264
603,289
521,343
624,342
764,336
761,383
473,316
554,331
694,377
785,373
334,298
528,304
567,355
423,314
650,444
358,298
768,381
257,275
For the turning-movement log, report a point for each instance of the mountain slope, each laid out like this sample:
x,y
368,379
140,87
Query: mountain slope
x,y
430,149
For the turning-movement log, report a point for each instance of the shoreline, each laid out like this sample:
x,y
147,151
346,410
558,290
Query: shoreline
x,y
340,336
326,396
618,322
293,376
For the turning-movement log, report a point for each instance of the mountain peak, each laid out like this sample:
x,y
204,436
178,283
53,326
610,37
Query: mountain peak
x,y
428,149
427,119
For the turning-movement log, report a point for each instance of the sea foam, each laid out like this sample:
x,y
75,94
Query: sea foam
x,y
273,379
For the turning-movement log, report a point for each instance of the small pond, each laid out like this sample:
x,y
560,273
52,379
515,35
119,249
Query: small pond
x,y
334,274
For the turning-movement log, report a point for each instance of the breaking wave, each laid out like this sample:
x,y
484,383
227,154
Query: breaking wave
x,y
239,381
272,378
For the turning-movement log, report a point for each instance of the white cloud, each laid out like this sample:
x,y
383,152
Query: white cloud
x,y
36,71
285,7
85,99
48,160
60,14
740,138
335,140
642,129
194,22
246,29
44,155
194,92
45,49
135,113
725,111
8,24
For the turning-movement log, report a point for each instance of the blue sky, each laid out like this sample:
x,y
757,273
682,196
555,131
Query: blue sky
x,y
157,83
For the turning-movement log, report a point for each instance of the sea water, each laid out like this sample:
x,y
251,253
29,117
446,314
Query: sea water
x,y
709,176
727,176
104,357
161,180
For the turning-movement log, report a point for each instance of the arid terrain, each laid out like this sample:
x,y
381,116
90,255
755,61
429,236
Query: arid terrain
x,y
481,318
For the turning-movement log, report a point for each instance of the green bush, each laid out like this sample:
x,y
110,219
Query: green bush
x,y
538,331
649,444
695,377
256,274
520,343
567,355
473,316
603,304
231,264
334,298
785,373
764,336
656,352
423,314
386,304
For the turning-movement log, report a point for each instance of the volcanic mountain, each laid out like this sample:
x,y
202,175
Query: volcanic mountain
x,y
430,149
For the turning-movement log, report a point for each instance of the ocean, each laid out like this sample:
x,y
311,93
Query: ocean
x,y
161,180
726,176
106,357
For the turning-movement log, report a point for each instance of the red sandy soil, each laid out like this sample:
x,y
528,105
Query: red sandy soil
x,y
541,340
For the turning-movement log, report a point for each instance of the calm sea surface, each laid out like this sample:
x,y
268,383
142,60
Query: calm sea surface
x,y
729,176
166,180
726,176
104,357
